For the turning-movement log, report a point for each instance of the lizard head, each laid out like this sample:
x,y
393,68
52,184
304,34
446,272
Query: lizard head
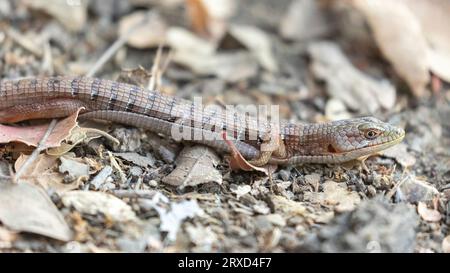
x,y
360,137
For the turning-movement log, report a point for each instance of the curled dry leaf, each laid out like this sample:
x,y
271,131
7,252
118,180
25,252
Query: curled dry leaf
x,y
24,207
399,35
78,135
44,172
32,135
429,215
195,166
238,162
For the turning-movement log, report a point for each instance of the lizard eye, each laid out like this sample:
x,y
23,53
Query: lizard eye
x,y
371,134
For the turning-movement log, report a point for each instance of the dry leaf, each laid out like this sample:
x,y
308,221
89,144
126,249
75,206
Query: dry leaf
x,y
231,67
171,219
195,166
32,135
198,16
78,135
137,159
399,35
149,34
240,190
303,21
44,172
414,190
289,207
400,154
446,244
259,44
24,207
434,20
74,167
7,237
71,13
92,202
209,18
429,215
181,39
346,83
238,162
334,195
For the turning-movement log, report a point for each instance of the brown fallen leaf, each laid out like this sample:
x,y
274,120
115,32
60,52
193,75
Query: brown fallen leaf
x,y
44,172
32,135
195,166
238,162
198,16
429,215
25,207
209,18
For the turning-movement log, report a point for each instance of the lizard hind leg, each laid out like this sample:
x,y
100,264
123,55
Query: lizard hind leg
x,y
278,150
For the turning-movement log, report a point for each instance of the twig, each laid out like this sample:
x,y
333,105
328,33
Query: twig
x,y
395,188
103,134
115,165
152,83
158,70
115,47
134,193
36,152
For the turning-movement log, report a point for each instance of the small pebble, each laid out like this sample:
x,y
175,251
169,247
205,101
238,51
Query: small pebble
x,y
153,183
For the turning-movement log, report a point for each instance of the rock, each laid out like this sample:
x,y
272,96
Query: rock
x,y
414,190
375,226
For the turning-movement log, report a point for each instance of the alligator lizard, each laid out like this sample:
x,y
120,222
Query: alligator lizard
x,y
330,142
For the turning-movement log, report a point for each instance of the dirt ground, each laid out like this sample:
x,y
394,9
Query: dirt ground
x,y
317,60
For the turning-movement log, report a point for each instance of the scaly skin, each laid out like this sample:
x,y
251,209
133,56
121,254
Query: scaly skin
x,y
286,143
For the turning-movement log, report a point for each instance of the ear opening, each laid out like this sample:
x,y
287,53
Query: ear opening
x,y
331,149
